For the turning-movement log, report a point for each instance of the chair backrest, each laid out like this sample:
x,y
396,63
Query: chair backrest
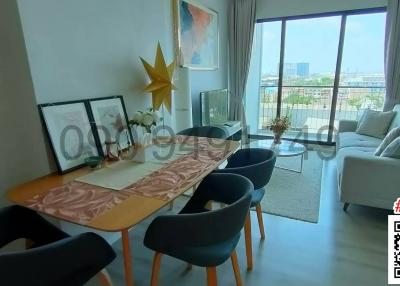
x,y
205,131
210,227
256,164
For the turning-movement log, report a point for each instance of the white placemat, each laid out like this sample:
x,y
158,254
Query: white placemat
x,y
122,174
119,175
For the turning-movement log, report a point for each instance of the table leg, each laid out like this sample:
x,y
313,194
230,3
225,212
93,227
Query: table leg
x,y
302,161
294,170
127,257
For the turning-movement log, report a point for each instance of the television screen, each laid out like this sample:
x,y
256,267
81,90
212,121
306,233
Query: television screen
x,y
214,107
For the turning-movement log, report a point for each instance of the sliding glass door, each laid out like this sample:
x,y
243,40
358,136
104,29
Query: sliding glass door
x,y
318,70
362,80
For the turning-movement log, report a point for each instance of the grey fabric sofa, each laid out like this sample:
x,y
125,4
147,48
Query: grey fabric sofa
x,y
364,178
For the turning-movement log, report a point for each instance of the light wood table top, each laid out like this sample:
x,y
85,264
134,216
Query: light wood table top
x,y
124,215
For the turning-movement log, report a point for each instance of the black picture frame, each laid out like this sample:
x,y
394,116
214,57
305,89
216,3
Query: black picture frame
x,y
98,125
56,137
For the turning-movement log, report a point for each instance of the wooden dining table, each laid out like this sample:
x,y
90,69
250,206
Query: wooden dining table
x,y
66,199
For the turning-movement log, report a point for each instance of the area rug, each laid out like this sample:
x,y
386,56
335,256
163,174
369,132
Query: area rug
x,y
294,195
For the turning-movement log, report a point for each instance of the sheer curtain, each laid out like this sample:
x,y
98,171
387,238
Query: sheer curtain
x,y
242,24
392,55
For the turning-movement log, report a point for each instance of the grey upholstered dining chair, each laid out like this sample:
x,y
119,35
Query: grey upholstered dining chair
x,y
257,165
202,237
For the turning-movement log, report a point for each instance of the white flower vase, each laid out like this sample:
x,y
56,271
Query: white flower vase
x,y
138,133
143,153
143,146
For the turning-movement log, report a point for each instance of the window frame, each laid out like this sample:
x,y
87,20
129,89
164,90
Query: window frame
x,y
339,59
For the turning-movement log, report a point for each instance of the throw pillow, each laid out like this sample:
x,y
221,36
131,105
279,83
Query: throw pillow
x,y
393,150
393,134
375,123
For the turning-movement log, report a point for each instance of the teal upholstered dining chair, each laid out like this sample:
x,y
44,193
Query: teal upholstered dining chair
x,y
202,237
257,165
205,131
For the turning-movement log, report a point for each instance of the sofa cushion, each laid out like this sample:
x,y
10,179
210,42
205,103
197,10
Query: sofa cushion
x,y
393,150
352,151
396,119
389,138
375,123
352,139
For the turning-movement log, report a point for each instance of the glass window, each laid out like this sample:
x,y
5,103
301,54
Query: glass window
x,y
363,51
270,58
309,69
362,79
311,51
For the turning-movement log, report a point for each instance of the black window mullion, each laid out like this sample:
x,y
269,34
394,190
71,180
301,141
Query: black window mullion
x,y
281,64
337,78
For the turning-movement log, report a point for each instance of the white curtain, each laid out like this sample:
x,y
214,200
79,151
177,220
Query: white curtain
x,y
392,55
242,24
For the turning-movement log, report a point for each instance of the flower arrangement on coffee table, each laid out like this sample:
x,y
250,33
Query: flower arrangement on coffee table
x,y
279,126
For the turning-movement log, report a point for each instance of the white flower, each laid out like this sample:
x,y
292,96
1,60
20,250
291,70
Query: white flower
x,y
138,117
156,116
147,119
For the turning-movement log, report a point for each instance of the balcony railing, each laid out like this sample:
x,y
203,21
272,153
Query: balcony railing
x,y
310,106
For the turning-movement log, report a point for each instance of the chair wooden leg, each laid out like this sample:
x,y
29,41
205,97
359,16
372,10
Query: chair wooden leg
x,y
212,276
247,236
236,269
171,205
104,278
155,273
260,221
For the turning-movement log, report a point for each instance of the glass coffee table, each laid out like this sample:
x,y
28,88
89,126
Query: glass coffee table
x,y
284,149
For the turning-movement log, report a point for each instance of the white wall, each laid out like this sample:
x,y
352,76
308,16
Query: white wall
x,y
280,8
84,49
218,79
22,148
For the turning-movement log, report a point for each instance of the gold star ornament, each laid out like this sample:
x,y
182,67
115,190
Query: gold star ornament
x,y
161,85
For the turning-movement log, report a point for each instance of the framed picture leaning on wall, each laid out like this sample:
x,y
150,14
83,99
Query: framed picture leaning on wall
x,y
197,35
111,121
70,133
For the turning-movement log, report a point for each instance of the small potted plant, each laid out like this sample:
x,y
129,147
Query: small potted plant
x,y
279,126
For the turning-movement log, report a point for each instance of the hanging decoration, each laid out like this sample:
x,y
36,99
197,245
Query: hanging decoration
x,y
161,76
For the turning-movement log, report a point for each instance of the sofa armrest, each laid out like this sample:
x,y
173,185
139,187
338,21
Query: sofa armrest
x,y
347,125
370,179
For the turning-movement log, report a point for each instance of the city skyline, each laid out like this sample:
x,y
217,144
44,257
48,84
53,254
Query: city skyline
x,y
363,51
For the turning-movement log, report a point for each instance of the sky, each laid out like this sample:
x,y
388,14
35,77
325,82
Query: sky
x,y
316,41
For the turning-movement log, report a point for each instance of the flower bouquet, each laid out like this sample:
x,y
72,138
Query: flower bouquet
x,y
279,126
142,124
146,119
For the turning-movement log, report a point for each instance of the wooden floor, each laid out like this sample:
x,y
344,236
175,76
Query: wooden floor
x,y
342,249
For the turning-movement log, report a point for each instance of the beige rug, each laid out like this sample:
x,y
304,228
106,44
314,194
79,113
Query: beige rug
x,y
295,195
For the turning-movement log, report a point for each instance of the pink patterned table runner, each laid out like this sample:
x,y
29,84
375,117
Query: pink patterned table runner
x,y
81,203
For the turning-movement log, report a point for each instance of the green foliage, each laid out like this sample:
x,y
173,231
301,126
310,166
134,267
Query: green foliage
x,y
296,98
323,81
376,99
355,102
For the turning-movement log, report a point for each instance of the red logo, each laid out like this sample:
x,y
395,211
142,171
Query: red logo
x,y
396,206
